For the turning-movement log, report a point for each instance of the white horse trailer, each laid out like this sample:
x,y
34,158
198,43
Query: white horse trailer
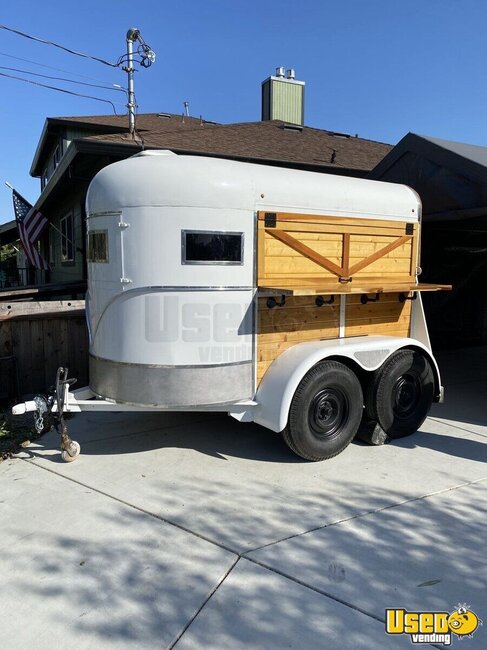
x,y
283,297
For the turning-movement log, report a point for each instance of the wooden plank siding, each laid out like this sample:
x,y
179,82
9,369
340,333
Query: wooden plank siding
x,y
42,336
299,320
337,249
321,255
386,316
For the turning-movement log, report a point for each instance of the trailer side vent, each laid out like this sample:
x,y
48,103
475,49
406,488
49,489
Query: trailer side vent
x,y
97,246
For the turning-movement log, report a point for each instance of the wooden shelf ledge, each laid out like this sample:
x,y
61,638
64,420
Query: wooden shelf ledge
x,y
314,289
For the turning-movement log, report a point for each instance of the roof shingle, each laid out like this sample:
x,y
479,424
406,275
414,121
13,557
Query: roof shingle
x,y
270,141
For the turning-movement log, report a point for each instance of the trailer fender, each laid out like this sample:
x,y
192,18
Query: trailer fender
x,y
283,376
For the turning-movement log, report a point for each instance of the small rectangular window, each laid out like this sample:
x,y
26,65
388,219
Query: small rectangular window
x,y
210,247
67,238
52,251
57,156
44,179
98,246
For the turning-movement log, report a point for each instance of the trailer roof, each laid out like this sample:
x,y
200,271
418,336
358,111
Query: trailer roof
x,y
162,178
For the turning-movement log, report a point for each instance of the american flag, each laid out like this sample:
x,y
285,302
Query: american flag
x,y
31,225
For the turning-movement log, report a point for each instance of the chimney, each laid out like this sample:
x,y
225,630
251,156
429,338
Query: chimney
x,y
283,97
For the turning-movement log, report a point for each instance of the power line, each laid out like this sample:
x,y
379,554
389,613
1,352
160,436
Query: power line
x,y
61,47
50,67
61,90
72,81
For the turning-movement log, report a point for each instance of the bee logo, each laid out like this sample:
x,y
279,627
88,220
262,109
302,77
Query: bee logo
x,y
463,622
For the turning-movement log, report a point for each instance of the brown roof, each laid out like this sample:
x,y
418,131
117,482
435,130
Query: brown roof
x,y
157,122
270,141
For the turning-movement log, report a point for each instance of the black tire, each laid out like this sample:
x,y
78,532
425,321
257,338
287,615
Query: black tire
x,y
325,412
400,393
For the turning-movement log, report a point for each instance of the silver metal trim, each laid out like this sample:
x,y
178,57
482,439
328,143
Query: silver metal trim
x,y
211,406
157,365
211,262
170,386
93,215
343,316
186,288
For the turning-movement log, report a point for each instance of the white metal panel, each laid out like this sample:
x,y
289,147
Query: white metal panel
x,y
161,178
419,329
157,327
152,247
279,383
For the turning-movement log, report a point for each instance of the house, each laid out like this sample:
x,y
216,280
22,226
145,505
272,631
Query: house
x,y
451,179
72,150
14,269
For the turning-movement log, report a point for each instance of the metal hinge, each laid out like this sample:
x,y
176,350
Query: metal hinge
x,y
122,225
125,280
270,220
410,229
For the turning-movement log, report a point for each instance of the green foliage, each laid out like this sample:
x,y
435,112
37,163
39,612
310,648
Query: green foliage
x,y
7,254
15,433
8,263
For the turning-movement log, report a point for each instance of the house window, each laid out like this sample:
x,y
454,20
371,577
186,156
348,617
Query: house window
x,y
57,155
210,247
44,179
98,246
52,250
67,238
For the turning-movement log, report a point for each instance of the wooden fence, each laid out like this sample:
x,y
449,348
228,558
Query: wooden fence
x,y
38,337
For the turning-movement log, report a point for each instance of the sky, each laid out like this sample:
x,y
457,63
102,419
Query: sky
x,y
376,68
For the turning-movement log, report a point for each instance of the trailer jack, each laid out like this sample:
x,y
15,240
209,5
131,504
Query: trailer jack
x,y
70,449
49,410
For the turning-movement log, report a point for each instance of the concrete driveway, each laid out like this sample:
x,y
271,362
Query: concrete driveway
x,y
195,531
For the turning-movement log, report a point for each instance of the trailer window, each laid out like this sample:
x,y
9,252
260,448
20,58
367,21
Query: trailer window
x,y
210,247
98,246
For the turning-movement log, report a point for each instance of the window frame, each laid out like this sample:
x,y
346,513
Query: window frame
x,y
57,155
52,250
67,239
44,178
187,262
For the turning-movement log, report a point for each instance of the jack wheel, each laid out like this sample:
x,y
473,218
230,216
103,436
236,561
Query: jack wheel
x,y
68,455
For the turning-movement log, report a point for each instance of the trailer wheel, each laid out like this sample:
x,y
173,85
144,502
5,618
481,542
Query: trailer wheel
x,y
400,393
325,412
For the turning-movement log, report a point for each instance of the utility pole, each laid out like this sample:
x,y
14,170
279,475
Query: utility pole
x,y
147,59
132,35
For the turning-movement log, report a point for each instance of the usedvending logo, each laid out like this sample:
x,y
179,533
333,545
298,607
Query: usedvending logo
x,y
433,627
